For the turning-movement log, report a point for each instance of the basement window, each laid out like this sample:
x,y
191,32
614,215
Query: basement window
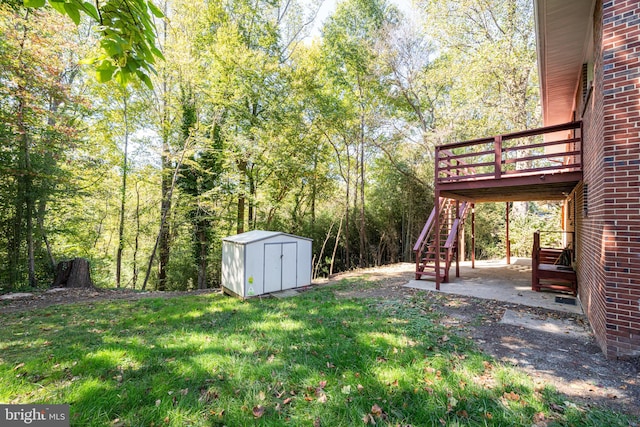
x,y
587,84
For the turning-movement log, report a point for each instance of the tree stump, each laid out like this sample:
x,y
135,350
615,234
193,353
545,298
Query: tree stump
x,y
73,273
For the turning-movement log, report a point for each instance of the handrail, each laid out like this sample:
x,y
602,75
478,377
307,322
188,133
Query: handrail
x,y
515,135
426,230
484,162
454,228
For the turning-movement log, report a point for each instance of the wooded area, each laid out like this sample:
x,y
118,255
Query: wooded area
x,y
245,116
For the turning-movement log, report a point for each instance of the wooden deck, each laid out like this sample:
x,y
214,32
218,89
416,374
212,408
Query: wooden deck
x,y
538,164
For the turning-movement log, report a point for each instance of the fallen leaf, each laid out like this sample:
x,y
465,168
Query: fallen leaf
x,y
316,422
18,366
286,401
511,396
360,387
346,389
463,414
258,411
322,384
207,395
376,410
369,419
158,402
261,395
539,420
453,401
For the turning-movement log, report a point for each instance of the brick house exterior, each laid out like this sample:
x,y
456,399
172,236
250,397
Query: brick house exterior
x,y
606,203
587,155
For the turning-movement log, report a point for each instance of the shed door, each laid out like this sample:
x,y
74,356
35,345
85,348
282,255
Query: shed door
x,y
279,266
289,265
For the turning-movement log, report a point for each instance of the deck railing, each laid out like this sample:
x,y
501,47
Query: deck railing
x,y
553,149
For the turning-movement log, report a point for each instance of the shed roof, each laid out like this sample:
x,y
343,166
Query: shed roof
x,y
257,235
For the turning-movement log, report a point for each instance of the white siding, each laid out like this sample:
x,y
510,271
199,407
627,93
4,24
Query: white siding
x,y
233,267
260,262
254,279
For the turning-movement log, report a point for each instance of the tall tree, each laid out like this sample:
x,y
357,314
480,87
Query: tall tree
x,y
350,46
34,127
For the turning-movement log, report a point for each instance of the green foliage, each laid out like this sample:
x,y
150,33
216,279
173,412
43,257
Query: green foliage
x,y
537,217
38,113
490,231
270,131
127,36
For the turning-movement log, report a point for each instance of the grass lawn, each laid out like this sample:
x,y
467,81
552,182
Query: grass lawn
x,y
212,360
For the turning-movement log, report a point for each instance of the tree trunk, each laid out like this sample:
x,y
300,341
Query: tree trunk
x,y
321,253
26,177
74,273
165,208
165,205
203,252
163,221
335,248
123,194
15,239
242,168
252,198
137,239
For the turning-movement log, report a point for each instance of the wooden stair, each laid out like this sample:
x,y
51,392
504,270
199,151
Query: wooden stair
x,y
451,218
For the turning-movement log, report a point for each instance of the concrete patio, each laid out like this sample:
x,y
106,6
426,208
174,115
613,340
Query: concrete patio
x,y
500,281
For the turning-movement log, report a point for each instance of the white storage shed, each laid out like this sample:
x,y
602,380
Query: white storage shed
x,y
260,262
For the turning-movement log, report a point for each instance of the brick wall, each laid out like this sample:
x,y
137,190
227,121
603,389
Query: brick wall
x,y
609,253
590,221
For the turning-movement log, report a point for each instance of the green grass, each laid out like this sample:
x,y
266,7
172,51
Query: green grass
x,y
212,360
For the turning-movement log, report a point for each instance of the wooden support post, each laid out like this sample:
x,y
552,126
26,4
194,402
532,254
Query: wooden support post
x,y
437,238
457,238
436,222
498,156
508,241
473,235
